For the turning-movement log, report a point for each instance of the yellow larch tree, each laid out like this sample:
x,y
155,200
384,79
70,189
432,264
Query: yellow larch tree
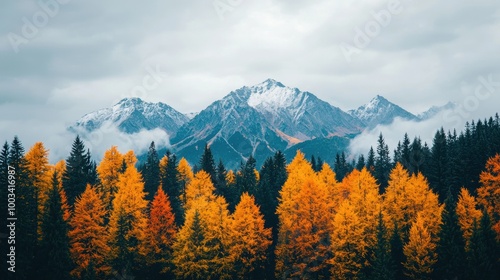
x,y
201,249
488,195
109,170
163,166
230,178
419,251
299,173
185,177
249,238
405,198
200,187
59,168
348,244
327,177
39,174
128,220
467,213
88,235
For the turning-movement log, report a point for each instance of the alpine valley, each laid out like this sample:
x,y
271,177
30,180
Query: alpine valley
x,y
257,120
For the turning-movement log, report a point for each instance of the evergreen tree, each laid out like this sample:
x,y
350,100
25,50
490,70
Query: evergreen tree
x,y
451,245
151,172
361,162
78,171
438,165
171,186
246,180
370,161
207,164
314,164
382,164
319,164
483,252
4,179
383,267
26,212
405,152
53,256
397,254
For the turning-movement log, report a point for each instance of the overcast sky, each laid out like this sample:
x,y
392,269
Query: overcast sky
x,y
65,58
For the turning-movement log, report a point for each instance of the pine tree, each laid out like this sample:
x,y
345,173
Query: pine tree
x,y
484,250
160,236
382,164
451,246
313,164
361,162
246,179
4,178
207,164
383,266
171,186
151,172
438,165
26,212
370,161
420,252
54,260
78,167
89,236
397,254
249,239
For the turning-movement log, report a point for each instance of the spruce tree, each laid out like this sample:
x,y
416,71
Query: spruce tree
x,y
382,164
172,188
451,245
26,212
151,172
397,254
54,259
220,186
438,165
207,164
246,180
483,251
370,161
313,163
79,171
383,267
361,162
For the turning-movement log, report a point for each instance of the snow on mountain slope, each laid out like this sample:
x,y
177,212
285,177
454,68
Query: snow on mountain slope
x,y
434,110
380,111
131,115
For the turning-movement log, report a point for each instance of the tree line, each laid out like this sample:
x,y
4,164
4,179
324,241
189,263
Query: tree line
x,y
410,217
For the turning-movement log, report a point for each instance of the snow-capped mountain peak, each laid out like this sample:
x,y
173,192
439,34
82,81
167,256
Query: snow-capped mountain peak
x,y
380,111
132,115
272,95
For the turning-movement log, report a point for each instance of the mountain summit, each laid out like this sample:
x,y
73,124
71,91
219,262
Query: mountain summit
x,y
131,115
380,111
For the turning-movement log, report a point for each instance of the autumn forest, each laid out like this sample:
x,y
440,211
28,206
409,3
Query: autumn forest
x,y
422,211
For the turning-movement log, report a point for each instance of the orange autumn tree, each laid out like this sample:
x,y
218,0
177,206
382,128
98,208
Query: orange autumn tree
x,y
59,168
467,213
39,174
201,249
305,213
249,238
405,198
200,187
419,251
348,244
128,219
364,200
89,236
327,177
160,234
488,195
109,170
185,177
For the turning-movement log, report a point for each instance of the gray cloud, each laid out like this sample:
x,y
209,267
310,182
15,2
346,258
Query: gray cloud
x,y
91,53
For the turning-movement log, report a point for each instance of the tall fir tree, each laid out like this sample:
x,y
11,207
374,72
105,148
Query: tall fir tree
x,y
397,254
26,212
483,254
207,164
451,245
78,171
361,163
171,186
438,165
54,261
151,172
246,180
382,164
370,161
383,266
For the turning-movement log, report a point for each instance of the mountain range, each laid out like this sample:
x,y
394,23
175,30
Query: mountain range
x,y
254,120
